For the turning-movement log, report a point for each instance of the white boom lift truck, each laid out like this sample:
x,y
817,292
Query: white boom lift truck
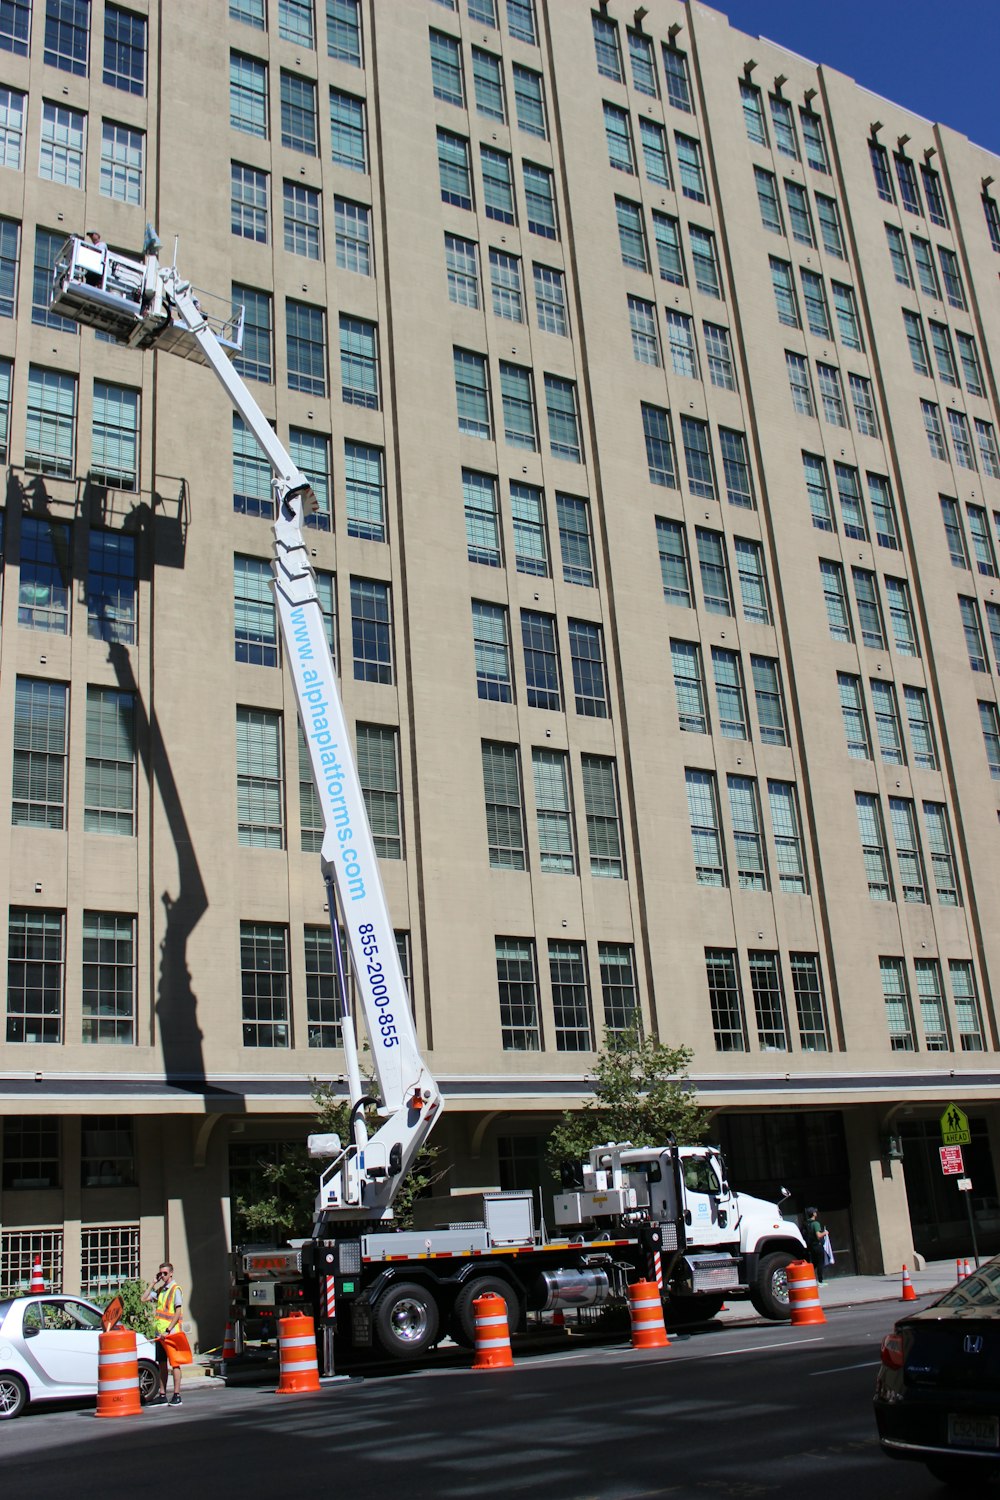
x,y
666,1212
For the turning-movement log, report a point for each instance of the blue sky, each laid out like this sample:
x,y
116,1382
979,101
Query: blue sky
x,y
938,60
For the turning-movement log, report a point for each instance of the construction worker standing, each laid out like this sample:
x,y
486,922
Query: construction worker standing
x,y
167,1296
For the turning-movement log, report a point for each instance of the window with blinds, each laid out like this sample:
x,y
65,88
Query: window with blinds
x,y
259,779
378,771
109,776
504,806
40,727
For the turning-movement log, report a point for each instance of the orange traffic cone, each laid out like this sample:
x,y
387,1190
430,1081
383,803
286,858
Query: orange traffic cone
x,y
117,1375
967,1268
297,1356
37,1279
646,1312
492,1333
229,1341
909,1295
803,1294
958,1269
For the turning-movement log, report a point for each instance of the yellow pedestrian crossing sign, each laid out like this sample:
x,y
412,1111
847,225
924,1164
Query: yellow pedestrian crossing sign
x,y
955,1127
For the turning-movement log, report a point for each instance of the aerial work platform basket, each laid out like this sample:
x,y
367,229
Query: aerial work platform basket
x,y
130,300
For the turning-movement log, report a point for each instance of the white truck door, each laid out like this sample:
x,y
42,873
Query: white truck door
x,y
708,1204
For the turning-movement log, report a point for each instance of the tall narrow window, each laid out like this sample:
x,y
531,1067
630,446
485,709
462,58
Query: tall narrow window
x,y
498,185
575,543
725,1000
967,1014
640,51
784,127
810,1003
10,250
785,296
378,773
111,587
252,493
698,458
517,983
835,598
248,95
683,354
989,719
518,404
939,842
814,297
818,490
675,68
961,439
353,234
918,718
359,361
982,542
67,35
675,570
653,141
13,107
873,846
541,660
771,718
554,816
603,814
15,27
109,768
265,984
563,418
45,575
719,357
971,368
590,687
730,697
869,608
40,742
909,193
812,135
472,393
768,1001
529,102
659,446
255,361
482,521
952,277
851,507
936,211
705,261
786,827
531,546
115,436
895,994
972,628
618,134
505,283
299,124
491,644
645,338
753,113
829,226
689,686
364,491
371,630
852,708
609,61
988,452
462,269
890,732
706,836
831,394
898,256
302,221
255,623
487,77
846,308
748,842
540,200
931,414
799,213
863,401
926,273
260,796
903,818
50,424
800,384
714,569
348,131
550,300
619,989
574,1029
108,978
296,23
248,203
521,21
446,68
669,256
690,167
322,999
36,975
63,145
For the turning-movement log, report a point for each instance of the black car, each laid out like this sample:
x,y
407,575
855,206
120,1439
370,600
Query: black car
x,y
937,1395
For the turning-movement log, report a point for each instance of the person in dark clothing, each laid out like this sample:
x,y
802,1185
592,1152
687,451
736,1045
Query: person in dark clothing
x,y
817,1239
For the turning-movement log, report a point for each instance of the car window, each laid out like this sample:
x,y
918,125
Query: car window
x,y
57,1316
32,1317
84,1315
699,1176
980,1290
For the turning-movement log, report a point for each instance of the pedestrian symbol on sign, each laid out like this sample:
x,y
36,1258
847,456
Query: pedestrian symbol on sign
x,y
955,1127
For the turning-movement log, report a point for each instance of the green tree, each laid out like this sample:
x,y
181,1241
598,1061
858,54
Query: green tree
x,y
641,1094
282,1207
136,1314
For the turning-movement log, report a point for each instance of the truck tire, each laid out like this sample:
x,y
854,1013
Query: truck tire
x,y
13,1396
406,1320
769,1291
681,1312
463,1316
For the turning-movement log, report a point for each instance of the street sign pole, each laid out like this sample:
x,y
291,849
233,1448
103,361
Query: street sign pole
x,y
965,1188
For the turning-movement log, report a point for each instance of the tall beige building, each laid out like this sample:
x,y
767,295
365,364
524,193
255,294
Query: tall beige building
x,y
647,374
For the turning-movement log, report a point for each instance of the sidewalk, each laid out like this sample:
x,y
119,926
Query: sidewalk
x,y
842,1291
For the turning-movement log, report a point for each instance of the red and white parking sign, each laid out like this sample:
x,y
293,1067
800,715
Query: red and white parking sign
x,y
951,1160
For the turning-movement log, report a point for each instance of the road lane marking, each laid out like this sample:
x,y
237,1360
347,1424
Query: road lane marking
x,y
866,1364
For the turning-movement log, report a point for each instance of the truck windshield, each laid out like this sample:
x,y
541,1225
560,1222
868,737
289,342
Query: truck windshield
x,y
699,1175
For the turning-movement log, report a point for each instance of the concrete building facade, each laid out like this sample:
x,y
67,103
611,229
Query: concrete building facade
x,y
647,373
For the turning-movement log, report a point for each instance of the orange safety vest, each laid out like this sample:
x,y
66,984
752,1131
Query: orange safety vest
x,y
166,1307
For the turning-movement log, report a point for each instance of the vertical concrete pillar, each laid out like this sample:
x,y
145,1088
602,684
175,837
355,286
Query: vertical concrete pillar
x,y
879,1205
72,1235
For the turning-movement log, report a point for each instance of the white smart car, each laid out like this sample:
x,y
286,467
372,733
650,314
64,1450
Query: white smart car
x,y
48,1352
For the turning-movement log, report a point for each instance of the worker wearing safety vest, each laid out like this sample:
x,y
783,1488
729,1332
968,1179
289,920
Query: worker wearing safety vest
x,y
167,1319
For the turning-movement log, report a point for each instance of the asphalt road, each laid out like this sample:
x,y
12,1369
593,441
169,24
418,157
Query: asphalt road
x,y
733,1413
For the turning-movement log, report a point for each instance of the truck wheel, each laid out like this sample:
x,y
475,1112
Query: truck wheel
x,y
406,1320
463,1316
769,1292
13,1396
683,1311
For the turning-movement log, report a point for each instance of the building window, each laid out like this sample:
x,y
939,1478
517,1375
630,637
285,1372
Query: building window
x,y
10,248
736,468
744,808
252,492
903,818
689,686
111,585
248,13
705,261
926,274
563,418
767,200
683,354
897,1005
540,201
302,221
529,102
768,1001
67,35
869,609
45,573
31,1159
770,704
517,982
851,507
311,824
484,11
348,133
574,1030
961,439
846,310
259,779
521,21
446,68
992,212
364,491
753,113
107,1157
518,404
482,522
552,811
989,719
108,980
295,22
12,111
675,570
753,581
880,168
248,95
653,140
248,203
810,1004
550,300
952,277
669,255
603,813
541,660
812,135
15,27
505,280
659,446
305,342
690,168
675,69
799,214
786,827
972,628
800,384
115,437
109,774
378,773
725,1000
874,851
472,393
852,708
619,989
343,31
254,363
967,1014
909,193
311,452
40,739
504,809
454,171
50,428
904,627
462,269
924,752
36,979
586,645
865,417
814,297
323,1015
931,414
371,630
255,622
986,438
645,338
942,852
831,394
783,122
359,362
531,551
609,61
730,698
835,599
971,368
265,984
714,569
785,296
63,145
352,226
575,545
498,185
719,354
491,643
487,75
706,835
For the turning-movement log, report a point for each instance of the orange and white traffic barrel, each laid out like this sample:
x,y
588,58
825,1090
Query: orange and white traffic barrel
x,y
492,1333
117,1375
803,1294
297,1356
646,1312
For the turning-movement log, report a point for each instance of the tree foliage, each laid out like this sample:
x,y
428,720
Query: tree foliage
x,y
283,1206
138,1315
641,1094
